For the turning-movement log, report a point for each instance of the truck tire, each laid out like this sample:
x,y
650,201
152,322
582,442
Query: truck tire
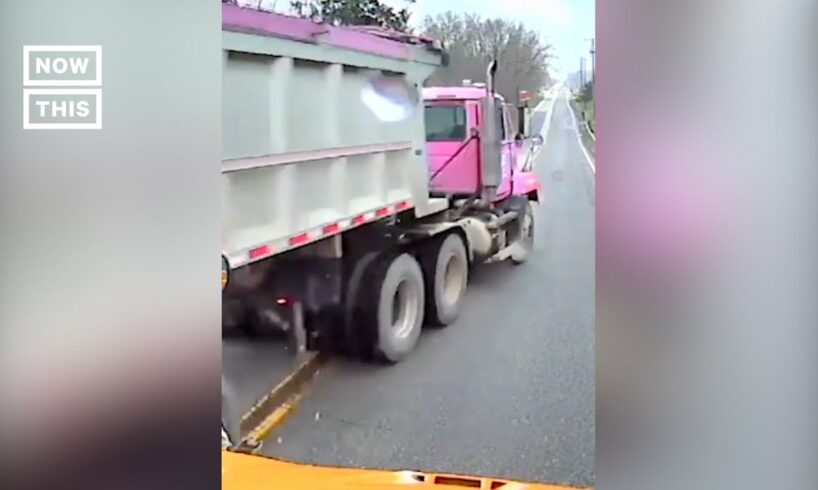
x,y
446,273
526,240
354,342
396,314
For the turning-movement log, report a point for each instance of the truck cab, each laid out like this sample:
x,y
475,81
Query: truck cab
x,y
458,130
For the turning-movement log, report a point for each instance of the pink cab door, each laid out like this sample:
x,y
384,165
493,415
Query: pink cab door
x,y
452,151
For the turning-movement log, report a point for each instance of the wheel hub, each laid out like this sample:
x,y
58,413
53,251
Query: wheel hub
x,y
404,309
453,280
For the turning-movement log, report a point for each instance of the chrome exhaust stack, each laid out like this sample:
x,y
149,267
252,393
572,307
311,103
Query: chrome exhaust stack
x,y
490,140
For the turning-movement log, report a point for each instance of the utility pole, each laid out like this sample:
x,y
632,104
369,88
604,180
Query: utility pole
x,y
593,66
581,73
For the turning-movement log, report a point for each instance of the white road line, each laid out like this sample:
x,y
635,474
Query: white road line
x,y
579,138
552,98
590,133
547,123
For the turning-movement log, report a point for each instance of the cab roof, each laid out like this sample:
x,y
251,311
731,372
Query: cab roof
x,y
456,93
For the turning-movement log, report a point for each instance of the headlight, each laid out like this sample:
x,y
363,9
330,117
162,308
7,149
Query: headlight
x,y
225,272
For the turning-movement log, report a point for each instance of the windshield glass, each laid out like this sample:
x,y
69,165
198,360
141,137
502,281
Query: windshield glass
x,y
445,123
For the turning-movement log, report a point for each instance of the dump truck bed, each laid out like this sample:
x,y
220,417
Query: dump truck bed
x,y
303,156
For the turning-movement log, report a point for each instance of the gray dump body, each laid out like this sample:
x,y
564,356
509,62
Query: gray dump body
x,y
303,156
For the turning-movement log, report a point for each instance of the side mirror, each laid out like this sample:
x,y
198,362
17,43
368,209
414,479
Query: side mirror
x,y
537,140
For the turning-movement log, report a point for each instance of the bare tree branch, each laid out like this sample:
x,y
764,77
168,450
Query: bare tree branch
x,y
472,41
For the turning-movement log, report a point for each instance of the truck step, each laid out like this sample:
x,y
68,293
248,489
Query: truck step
x,y
504,253
503,220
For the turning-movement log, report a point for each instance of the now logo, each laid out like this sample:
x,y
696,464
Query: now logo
x,y
62,66
79,66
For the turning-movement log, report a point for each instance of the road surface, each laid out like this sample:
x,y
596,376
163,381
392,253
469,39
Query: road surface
x,y
506,391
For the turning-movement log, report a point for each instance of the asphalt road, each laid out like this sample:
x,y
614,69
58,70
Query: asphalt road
x,y
506,391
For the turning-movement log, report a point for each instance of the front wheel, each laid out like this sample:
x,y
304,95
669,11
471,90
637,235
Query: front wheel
x,y
525,243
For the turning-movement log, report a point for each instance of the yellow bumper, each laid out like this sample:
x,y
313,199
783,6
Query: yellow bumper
x,y
249,472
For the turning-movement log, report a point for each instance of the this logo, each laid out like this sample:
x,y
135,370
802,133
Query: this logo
x,y
57,67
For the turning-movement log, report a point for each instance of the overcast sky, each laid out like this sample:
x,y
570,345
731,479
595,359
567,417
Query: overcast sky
x,y
567,24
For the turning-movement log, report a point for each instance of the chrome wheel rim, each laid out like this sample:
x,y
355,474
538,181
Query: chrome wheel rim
x,y
404,309
454,280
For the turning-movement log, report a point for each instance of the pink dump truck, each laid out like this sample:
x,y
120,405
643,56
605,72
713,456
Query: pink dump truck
x,y
355,200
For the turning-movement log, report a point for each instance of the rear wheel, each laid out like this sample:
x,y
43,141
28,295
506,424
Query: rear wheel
x,y
356,341
446,273
396,314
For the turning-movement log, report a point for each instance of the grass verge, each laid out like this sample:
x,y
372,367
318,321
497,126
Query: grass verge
x,y
586,112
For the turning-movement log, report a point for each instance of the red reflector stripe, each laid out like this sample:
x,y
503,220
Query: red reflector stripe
x,y
299,239
382,212
401,205
359,220
333,228
260,252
